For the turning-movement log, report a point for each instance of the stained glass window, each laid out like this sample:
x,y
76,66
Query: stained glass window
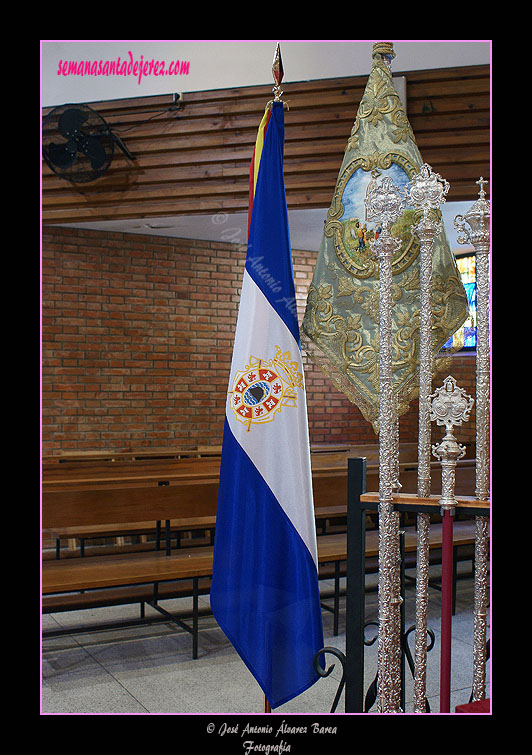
x,y
466,336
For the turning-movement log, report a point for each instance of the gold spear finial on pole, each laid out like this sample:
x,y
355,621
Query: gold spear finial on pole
x,y
278,73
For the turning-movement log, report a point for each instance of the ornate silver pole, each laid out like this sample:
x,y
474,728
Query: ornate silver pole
x,y
385,202
426,191
450,406
474,228
396,485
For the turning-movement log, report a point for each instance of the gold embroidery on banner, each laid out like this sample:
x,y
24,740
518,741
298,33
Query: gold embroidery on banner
x,y
380,98
359,345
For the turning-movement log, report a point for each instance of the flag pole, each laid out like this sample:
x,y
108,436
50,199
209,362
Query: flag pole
x,y
278,73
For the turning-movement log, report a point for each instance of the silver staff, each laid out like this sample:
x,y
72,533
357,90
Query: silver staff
x,y
474,228
426,191
384,202
450,406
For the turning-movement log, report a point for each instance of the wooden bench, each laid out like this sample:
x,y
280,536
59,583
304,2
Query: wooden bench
x,y
160,534
150,577
154,576
140,454
189,483
115,498
154,535
122,497
329,472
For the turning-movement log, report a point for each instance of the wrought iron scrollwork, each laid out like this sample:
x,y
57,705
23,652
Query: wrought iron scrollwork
x,y
325,672
371,694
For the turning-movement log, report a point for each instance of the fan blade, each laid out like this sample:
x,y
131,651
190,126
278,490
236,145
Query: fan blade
x,y
71,121
60,155
92,148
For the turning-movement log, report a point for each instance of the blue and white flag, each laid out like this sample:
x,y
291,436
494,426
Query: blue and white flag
x,y
264,591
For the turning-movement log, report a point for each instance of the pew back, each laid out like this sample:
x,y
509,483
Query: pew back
x,y
126,490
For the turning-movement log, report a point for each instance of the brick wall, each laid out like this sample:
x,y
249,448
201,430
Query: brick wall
x,y
137,334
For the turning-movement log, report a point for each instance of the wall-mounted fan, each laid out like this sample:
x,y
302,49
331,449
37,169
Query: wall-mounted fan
x,y
78,144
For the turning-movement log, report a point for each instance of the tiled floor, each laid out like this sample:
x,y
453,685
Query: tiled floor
x,y
149,669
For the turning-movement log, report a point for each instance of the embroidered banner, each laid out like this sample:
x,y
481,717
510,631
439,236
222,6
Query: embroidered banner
x,y
340,330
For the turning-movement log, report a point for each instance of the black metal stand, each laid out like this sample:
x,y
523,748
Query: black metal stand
x,y
356,579
353,660
193,630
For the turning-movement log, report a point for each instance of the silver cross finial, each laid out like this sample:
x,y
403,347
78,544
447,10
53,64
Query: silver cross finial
x,y
481,181
474,226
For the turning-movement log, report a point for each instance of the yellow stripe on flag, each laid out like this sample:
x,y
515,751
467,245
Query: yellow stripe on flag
x,y
258,146
255,160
